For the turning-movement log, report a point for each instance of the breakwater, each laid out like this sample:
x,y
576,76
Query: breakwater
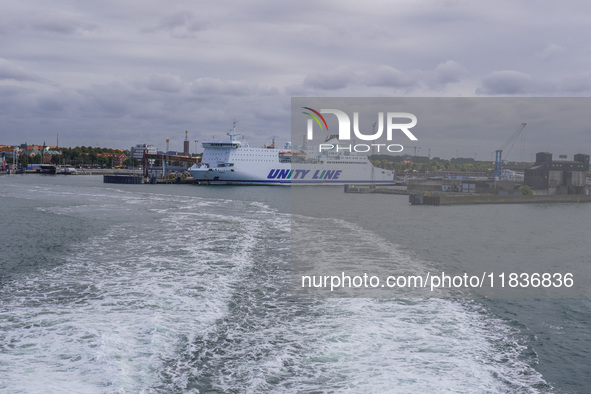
x,y
420,199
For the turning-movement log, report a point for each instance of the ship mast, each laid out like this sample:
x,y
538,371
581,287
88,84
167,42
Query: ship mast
x,y
233,133
372,166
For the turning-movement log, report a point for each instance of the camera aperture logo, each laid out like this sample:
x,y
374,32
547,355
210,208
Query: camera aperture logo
x,y
345,130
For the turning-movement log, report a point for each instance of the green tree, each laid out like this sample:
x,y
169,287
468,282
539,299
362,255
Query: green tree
x,y
131,162
92,158
526,190
56,159
36,159
102,161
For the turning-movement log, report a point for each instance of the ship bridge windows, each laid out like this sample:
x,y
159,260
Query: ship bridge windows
x,y
220,145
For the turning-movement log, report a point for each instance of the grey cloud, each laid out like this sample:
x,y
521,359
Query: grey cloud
x,y
335,79
58,102
448,72
62,24
8,70
507,82
111,100
386,76
577,84
12,91
550,51
14,99
50,104
165,83
390,77
517,83
181,24
214,86
142,82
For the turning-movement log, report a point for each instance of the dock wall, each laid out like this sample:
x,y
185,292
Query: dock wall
x,y
127,179
513,199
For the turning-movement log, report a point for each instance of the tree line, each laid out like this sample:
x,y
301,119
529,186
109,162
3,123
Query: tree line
x,y
80,156
422,164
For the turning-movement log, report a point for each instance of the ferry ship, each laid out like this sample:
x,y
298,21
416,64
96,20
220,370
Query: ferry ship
x,y
234,162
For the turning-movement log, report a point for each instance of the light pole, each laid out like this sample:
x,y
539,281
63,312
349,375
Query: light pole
x,y
164,159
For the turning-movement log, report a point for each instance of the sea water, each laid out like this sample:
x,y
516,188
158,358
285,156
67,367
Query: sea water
x,y
184,288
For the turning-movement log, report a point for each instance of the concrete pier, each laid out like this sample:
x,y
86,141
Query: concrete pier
x,y
127,179
420,199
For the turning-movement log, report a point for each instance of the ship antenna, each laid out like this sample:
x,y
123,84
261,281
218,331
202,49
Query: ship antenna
x,y
372,165
233,133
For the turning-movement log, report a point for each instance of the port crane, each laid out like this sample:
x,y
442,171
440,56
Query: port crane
x,y
508,146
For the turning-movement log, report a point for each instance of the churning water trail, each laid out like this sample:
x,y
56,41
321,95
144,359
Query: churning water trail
x,y
128,298
182,293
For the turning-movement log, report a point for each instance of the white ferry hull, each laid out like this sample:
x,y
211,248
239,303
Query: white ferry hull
x,y
280,175
230,163
264,182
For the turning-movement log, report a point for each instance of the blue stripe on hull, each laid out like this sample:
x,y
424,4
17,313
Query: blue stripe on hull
x,y
288,182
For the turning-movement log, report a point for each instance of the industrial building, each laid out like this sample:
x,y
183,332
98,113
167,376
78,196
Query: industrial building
x,y
549,176
186,145
137,152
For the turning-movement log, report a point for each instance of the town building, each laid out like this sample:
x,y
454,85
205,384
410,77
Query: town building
x,y
118,158
549,176
137,152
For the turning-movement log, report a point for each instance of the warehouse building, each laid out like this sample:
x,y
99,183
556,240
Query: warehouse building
x,y
549,176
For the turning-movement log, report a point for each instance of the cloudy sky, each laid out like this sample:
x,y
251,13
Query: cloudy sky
x,y
118,73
